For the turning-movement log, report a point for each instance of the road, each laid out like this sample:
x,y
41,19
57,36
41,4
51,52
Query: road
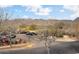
x,y
56,48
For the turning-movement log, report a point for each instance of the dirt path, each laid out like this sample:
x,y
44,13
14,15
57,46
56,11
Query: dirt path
x,y
37,47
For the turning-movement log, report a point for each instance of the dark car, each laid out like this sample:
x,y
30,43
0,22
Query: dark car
x,y
23,32
31,33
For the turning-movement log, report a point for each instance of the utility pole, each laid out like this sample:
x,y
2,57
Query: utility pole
x,y
10,43
10,40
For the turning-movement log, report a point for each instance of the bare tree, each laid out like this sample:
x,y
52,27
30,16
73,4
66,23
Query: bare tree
x,y
44,37
1,15
4,16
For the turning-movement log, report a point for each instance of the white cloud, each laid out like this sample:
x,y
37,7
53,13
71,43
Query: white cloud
x,y
62,10
25,16
74,9
38,9
4,6
31,7
43,11
16,10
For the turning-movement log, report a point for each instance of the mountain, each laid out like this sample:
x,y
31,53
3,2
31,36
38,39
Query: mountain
x,y
77,19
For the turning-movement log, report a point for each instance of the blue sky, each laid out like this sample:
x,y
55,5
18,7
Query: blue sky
x,y
68,12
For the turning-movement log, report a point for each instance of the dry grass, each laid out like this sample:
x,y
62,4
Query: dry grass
x,y
18,46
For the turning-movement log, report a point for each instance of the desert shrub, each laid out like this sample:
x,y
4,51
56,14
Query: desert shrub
x,y
27,27
59,33
32,27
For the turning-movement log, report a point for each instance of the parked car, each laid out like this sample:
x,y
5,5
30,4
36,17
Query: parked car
x,y
31,33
